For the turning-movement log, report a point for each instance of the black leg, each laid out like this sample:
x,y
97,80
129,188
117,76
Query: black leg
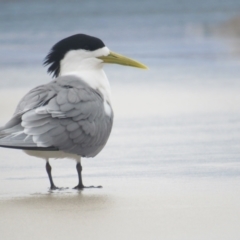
x,y
80,185
79,171
49,169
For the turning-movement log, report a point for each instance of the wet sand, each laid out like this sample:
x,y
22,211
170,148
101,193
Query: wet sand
x,y
170,169
177,178
127,209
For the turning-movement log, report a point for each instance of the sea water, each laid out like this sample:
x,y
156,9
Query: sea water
x,y
171,167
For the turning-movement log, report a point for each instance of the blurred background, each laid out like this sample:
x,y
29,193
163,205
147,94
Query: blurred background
x,y
184,109
177,125
181,41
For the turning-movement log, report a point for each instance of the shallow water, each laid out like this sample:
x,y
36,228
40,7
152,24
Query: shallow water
x,y
171,167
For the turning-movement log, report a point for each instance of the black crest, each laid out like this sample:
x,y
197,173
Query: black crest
x,y
75,42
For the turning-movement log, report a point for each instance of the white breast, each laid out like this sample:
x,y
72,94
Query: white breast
x,y
85,65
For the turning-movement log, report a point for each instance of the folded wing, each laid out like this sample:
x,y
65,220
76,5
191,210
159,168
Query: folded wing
x,y
65,114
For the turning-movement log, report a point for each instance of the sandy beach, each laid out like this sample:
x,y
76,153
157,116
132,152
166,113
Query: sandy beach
x,y
129,209
170,169
182,190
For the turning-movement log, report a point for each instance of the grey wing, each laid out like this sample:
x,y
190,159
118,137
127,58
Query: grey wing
x,y
12,134
67,115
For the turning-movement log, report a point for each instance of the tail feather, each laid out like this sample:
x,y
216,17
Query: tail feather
x,y
12,136
15,136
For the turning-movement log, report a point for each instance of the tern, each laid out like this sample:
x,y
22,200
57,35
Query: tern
x,y
71,116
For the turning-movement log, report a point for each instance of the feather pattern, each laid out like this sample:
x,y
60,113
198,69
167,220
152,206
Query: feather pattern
x,y
66,114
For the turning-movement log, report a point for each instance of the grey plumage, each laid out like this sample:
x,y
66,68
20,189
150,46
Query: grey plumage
x,y
66,114
71,117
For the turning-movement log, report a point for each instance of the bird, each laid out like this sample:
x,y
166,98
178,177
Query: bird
x,y
72,115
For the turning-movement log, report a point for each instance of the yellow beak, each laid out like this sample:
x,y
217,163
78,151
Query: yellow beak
x,y
119,59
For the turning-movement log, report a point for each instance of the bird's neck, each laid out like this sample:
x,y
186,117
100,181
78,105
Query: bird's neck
x,y
95,78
